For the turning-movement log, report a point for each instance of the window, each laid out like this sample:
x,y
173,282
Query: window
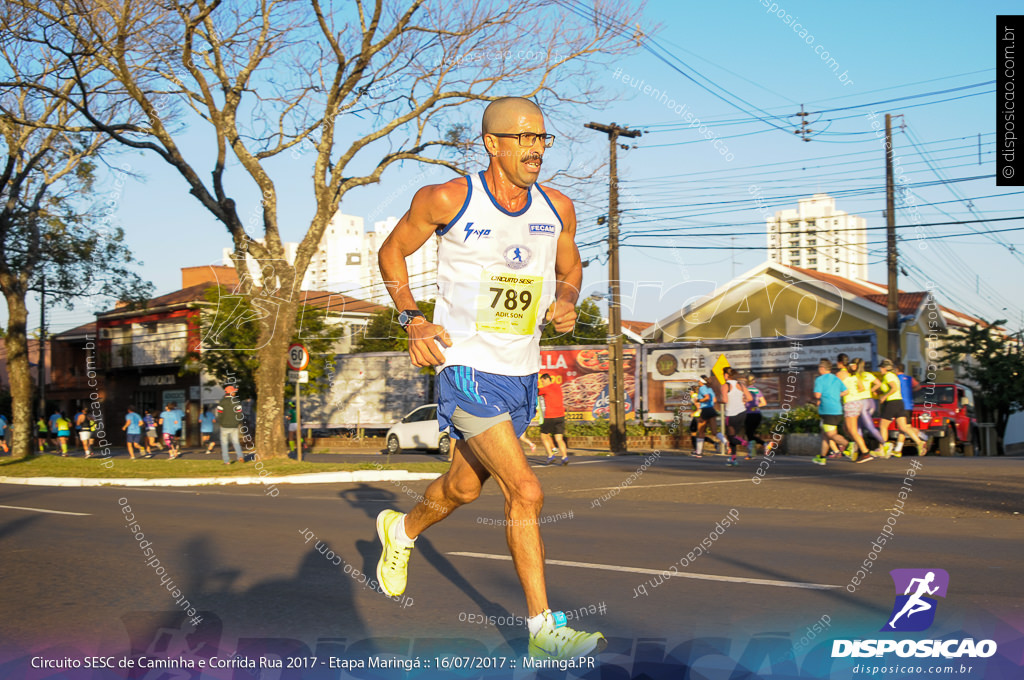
x,y
812,261
422,414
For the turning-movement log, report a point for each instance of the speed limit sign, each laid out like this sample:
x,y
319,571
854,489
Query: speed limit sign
x,y
298,357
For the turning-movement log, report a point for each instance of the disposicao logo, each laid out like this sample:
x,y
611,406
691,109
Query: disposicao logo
x,y
914,610
915,605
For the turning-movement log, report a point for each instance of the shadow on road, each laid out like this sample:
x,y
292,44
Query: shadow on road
x,y
371,500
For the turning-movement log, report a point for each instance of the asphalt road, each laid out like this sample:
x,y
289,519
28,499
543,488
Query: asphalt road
x,y
277,573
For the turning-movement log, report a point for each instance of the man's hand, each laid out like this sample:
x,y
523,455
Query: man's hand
x,y
562,314
423,339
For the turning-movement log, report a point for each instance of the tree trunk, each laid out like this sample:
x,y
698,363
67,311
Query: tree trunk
x,y
276,332
16,343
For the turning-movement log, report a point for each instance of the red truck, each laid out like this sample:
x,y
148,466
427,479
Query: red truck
x,y
945,412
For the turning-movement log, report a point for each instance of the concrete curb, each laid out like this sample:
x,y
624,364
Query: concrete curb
x,y
311,478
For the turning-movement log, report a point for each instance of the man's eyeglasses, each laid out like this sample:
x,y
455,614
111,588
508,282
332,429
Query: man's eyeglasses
x,y
528,139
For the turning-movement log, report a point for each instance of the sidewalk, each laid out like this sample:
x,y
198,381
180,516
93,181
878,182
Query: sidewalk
x,y
370,454
120,456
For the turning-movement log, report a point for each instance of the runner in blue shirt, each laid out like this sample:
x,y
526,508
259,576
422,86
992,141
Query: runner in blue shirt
x,y
3,433
53,427
706,401
906,388
149,440
133,432
829,391
206,419
170,422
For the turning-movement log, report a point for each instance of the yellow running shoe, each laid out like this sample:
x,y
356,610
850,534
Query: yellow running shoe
x,y
555,640
393,566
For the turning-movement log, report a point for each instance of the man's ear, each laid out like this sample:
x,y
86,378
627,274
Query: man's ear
x,y
490,142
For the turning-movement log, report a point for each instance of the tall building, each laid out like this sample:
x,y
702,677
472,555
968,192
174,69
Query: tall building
x,y
422,265
338,263
346,261
819,237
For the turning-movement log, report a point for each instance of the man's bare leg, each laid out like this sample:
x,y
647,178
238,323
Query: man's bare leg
x,y
460,485
562,448
496,453
546,440
499,453
907,431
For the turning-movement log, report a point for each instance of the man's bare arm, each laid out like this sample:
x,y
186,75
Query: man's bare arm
x,y
568,266
432,206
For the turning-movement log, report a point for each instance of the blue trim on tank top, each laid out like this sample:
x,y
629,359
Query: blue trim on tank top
x,y
465,204
529,199
550,205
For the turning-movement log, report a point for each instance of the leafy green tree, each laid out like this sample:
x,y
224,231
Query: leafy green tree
x,y
993,360
55,236
383,332
229,321
589,330
345,90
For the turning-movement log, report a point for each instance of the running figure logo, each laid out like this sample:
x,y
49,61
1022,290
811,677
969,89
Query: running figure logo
x,y
517,256
914,609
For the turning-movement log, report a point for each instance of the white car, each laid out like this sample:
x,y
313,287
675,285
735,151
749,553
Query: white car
x,y
419,430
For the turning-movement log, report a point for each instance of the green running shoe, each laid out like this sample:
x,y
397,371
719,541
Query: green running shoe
x,y
555,640
818,460
393,566
851,451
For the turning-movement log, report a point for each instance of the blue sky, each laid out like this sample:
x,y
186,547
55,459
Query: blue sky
x,y
743,52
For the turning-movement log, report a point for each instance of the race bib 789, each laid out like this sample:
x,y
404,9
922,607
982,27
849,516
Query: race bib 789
x,y
508,303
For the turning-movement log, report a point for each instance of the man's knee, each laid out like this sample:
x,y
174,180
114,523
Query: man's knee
x,y
461,491
527,493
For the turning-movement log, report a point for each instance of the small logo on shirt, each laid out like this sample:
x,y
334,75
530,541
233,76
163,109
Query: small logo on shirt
x,y
543,229
517,256
479,233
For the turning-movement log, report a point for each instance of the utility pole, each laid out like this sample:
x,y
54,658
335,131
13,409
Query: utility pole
x,y
616,382
891,254
41,366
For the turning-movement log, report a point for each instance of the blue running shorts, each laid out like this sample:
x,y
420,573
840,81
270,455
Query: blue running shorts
x,y
485,395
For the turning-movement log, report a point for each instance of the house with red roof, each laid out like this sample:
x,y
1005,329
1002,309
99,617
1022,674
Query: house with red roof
x,y
775,300
139,350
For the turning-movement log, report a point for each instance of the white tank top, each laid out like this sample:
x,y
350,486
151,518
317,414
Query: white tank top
x,y
734,400
496,280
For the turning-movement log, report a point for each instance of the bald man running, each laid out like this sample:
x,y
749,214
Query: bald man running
x,y
507,264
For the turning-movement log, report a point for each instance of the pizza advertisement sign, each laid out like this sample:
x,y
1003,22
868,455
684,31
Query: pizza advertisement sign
x,y
583,374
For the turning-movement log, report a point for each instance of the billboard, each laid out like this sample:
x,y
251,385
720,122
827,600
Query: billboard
x,y
583,374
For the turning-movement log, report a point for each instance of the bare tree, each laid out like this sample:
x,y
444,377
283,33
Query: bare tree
x,y
355,87
47,228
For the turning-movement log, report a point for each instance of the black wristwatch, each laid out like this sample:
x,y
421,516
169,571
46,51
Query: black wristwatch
x,y
406,316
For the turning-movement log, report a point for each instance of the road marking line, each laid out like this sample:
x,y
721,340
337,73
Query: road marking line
x,y
52,512
558,463
653,486
655,572
717,481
